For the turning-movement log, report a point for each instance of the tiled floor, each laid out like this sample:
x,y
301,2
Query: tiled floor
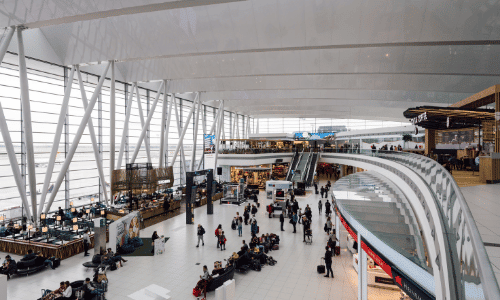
x,y
293,277
484,203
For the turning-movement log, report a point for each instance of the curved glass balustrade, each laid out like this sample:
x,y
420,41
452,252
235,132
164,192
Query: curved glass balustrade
x,y
472,274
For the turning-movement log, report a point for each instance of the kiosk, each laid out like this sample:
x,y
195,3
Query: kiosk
x,y
273,185
233,194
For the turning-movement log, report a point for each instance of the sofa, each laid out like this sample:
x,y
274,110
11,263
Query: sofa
x,y
219,280
26,267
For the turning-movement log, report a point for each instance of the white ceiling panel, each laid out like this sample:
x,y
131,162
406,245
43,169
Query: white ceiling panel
x,y
292,22
300,57
267,23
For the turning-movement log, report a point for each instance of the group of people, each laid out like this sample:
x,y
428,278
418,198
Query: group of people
x,y
64,292
325,190
328,207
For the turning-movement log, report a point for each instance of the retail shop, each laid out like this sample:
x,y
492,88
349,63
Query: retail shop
x,y
464,136
253,175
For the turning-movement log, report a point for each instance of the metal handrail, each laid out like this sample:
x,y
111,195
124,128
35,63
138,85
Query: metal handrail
x,y
470,256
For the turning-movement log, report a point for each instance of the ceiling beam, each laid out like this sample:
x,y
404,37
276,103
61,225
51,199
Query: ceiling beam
x,y
167,5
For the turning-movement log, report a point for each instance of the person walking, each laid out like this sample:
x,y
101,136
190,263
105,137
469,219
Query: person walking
x,y
282,220
294,222
218,231
253,228
308,213
307,226
86,243
329,225
322,191
328,262
320,206
240,226
201,232
327,208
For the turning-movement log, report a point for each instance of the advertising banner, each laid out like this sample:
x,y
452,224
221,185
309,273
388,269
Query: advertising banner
x,y
124,229
209,143
159,245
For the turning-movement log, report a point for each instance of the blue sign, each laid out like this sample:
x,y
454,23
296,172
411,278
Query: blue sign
x,y
315,135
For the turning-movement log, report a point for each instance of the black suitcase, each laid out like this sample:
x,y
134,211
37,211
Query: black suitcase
x,y
233,226
321,269
56,262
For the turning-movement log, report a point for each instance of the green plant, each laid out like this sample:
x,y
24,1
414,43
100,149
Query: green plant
x,y
407,138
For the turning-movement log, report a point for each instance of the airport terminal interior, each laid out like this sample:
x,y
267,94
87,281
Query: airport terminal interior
x,y
249,149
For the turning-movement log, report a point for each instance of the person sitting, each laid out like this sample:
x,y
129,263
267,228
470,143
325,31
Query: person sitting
x,y
55,294
67,294
244,248
254,241
9,267
37,233
203,282
89,291
114,257
218,270
29,256
40,259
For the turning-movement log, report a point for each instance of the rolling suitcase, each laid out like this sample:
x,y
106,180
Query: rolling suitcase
x,y
337,250
321,269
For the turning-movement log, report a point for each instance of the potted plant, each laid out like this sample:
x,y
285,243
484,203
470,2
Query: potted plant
x,y
407,138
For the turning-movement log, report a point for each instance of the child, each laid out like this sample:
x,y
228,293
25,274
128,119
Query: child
x,y
222,241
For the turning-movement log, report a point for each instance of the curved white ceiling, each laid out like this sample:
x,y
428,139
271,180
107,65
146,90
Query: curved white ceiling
x,y
301,58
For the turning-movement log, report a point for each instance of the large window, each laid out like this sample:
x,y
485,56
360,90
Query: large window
x,y
81,183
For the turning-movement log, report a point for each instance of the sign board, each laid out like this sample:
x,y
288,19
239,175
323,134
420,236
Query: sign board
x,y
164,181
497,115
420,118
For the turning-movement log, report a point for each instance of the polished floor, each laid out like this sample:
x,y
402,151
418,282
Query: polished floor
x,y
484,203
178,270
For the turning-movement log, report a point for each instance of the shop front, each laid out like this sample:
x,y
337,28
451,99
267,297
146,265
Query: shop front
x,y
252,175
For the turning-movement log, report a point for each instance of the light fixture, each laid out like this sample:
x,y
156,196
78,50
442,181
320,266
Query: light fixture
x,y
42,217
102,212
75,220
75,227
58,218
45,229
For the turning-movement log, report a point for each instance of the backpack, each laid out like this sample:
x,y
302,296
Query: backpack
x,y
217,232
202,230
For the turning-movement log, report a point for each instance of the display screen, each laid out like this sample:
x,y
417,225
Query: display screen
x,y
280,193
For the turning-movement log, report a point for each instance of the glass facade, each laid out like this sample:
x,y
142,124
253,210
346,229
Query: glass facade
x,y
82,179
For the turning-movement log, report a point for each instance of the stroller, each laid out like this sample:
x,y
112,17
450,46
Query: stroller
x,y
309,236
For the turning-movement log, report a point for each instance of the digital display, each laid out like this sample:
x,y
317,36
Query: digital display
x,y
280,194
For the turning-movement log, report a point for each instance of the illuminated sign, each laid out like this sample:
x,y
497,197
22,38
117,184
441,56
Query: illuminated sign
x,y
419,118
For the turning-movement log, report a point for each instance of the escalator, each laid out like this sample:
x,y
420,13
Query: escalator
x,y
299,171
311,169
293,165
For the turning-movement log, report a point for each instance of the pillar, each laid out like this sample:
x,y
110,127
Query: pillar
x,y
430,140
362,272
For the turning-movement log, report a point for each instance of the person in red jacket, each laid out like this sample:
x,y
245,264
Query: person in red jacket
x,y
218,232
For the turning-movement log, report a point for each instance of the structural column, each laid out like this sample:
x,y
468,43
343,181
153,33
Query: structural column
x,y
362,272
112,122
77,138
162,127
430,140
125,126
28,133
219,126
